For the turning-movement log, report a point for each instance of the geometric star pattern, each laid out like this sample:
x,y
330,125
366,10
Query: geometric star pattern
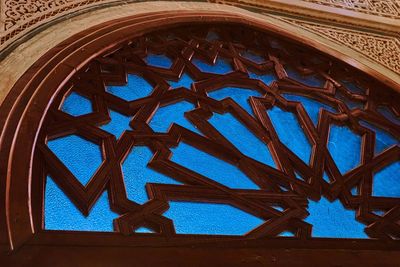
x,y
282,176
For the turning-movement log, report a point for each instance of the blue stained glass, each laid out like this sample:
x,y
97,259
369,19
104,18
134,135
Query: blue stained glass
x,y
221,66
345,147
184,81
311,106
118,124
210,219
326,178
239,95
77,105
144,230
387,181
211,167
137,174
265,78
353,87
310,80
212,36
161,61
137,87
290,132
383,139
242,138
287,234
172,113
349,103
256,58
385,111
61,214
79,155
354,191
332,219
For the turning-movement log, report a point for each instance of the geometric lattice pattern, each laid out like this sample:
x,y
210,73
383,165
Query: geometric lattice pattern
x,y
292,126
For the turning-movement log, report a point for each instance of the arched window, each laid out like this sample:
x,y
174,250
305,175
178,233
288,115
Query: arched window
x,y
204,132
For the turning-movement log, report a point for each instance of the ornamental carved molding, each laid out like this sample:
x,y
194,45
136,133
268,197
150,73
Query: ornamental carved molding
x,y
377,47
384,8
19,16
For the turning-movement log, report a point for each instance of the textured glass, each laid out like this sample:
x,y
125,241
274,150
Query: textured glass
x,y
161,61
118,124
77,105
351,104
387,181
331,219
61,213
184,81
383,139
242,138
165,116
211,167
290,132
388,114
137,174
345,147
312,107
210,218
310,80
239,95
253,57
144,230
265,78
137,87
76,153
221,66
353,87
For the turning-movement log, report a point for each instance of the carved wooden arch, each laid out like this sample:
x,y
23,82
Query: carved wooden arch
x,y
24,108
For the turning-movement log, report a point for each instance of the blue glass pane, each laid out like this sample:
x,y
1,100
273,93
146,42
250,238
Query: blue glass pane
x,y
345,147
354,191
173,113
221,66
311,106
290,132
387,181
77,105
257,58
61,213
265,78
211,167
349,103
240,95
137,174
287,234
326,178
161,61
118,124
211,219
212,36
383,139
242,138
385,111
184,81
144,230
353,87
331,219
137,87
310,80
79,155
